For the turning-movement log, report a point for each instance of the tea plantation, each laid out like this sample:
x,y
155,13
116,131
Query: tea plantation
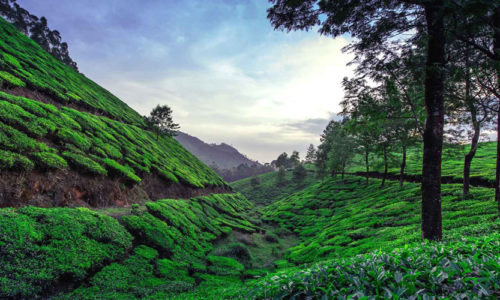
x,y
150,251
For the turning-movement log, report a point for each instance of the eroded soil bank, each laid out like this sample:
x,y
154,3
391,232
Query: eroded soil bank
x,y
72,189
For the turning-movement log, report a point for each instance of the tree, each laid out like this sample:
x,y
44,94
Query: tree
x,y
281,177
311,154
374,23
477,23
294,159
281,161
37,29
299,173
162,121
255,181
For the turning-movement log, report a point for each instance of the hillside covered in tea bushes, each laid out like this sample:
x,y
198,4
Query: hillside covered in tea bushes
x,y
78,141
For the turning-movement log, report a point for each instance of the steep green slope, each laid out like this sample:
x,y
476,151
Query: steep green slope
x,y
35,134
72,125
23,63
155,250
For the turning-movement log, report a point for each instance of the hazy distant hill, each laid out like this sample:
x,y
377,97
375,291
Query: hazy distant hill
x,y
224,156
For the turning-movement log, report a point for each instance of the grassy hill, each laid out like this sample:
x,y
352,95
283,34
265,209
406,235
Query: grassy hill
x,y
74,125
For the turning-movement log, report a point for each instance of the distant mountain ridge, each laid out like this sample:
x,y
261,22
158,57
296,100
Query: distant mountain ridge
x,y
223,155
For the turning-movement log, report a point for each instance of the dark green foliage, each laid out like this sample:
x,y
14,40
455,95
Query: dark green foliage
x,y
48,160
483,165
226,266
255,181
40,246
162,122
299,173
13,161
123,171
238,251
139,276
178,235
84,164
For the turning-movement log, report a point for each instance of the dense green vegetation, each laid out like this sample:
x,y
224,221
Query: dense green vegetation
x,y
344,219
271,188
483,165
24,63
171,241
36,134
42,247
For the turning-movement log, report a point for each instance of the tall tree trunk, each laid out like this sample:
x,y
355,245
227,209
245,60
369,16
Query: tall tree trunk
x,y
385,167
496,47
469,101
433,133
403,166
367,164
343,171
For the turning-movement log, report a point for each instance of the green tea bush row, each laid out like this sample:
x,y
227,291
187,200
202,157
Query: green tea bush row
x,y
90,142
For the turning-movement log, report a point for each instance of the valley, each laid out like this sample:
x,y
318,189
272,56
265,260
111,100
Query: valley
x,y
399,200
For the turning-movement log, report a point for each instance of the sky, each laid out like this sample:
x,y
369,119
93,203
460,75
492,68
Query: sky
x,y
226,73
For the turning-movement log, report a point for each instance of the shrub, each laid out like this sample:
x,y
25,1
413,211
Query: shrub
x,y
226,266
13,161
237,251
84,164
271,238
11,79
48,160
114,167
41,246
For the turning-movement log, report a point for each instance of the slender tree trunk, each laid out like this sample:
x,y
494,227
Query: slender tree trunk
x,y
469,100
433,133
403,166
496,47
367,167
343,171
385,167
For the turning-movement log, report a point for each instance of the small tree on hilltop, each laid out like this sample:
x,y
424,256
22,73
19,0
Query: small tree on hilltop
x,y
255,181
311,154
281,179
299,173
294,159
162,121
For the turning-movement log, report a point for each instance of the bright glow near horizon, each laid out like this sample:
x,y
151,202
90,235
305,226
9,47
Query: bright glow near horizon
x,y
228,76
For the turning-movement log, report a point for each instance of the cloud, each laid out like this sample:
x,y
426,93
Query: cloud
x,y
312,126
